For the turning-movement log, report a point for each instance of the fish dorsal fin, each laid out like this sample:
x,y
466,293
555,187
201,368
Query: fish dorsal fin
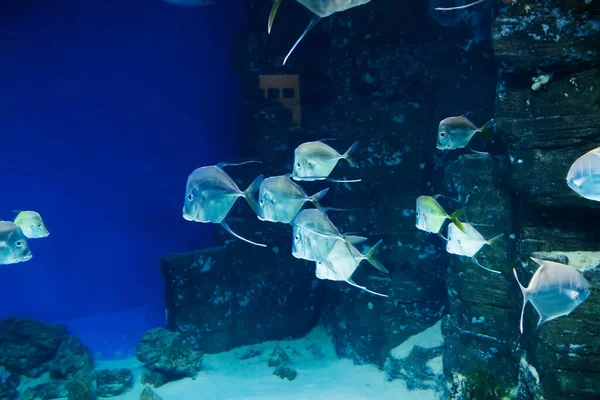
x,y
224,164
351,282
342,180
228,229
272,15
525,297
355,239
314,21
459,7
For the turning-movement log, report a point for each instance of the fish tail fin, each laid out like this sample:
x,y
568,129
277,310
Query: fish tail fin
x,y
454,217
249,194
318,196
487,129
348,155
228,229
459,7
272,15
525,299
314,21
371,257
496,243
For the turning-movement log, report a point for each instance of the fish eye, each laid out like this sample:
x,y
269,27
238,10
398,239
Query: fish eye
x,y
190,197
297,237
262,201
443,134
297,164
19,243
39,225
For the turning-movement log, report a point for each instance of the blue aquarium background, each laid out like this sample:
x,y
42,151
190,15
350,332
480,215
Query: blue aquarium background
x,y
105,108
486,116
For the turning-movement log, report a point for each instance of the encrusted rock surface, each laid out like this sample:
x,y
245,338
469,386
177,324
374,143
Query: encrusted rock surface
x,y
167,354
8,384
54,389
71,356
27,347
241,294
113,382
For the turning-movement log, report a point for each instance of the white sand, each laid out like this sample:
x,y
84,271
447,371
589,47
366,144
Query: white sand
x,y
225,377
428,339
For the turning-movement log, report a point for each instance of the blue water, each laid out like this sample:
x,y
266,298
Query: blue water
x,y
105,107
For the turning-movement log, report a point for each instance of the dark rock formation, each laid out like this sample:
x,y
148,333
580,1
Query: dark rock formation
x,y
27,347
240,294
148,394
8,384
55,389
285,372
82,386
113,382
282,363
167,356
71,356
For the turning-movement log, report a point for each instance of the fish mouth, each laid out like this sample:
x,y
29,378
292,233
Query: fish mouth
x,y
28,257
187,216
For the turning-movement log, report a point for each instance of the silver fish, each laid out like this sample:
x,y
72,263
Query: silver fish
x,y
457,132
315,160
430,216
31,224
554,290
584,175
469,243
311,246
320,9
13,244
280,199
343,261
210,194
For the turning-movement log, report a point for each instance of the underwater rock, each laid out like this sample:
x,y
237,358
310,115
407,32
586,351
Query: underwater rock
x,y
479,338
113,382
149,394
418,361
8,384
544,143
155,378
529,382
547,34
168,354
239,294
285,372
278,357
82,386
250,353
28,346
71,356
54,389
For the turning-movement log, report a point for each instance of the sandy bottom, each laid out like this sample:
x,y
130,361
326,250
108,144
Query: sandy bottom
x,y
321,375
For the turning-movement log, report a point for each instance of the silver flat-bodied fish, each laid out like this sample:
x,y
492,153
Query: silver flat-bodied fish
x,y
430,216
210,194
457,132
315,160
584,175
31,224
344,259
555,290
469,242
13,244
280,199
320,9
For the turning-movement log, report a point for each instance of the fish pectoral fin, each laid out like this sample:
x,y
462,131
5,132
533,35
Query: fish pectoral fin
x,y
272,15
314,21
351,282
228,229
